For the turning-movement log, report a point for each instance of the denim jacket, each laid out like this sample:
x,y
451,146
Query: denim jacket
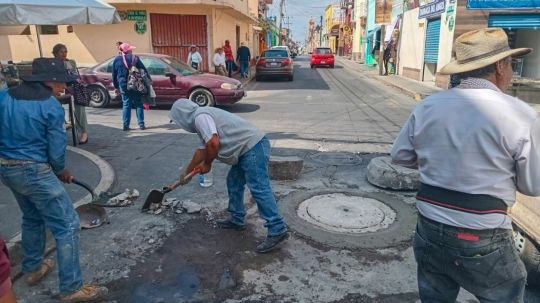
x,y
32,126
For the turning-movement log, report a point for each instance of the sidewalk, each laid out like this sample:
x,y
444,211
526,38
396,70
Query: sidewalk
x,y
415,89
245,81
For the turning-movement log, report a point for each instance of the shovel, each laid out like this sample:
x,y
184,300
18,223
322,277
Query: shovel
x,y
156,196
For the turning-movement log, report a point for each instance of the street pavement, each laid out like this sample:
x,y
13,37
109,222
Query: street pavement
x,y
336,120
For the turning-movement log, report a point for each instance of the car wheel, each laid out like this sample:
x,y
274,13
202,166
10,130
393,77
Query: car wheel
x,y
529,254
99,96
312,66
257,78
202,97
332,66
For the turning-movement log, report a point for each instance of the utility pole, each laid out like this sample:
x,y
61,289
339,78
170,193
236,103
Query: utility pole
x,y
281,5
320,33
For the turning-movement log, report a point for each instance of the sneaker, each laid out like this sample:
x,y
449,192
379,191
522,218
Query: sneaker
x,y
126,128
86,293
142,127
35,277
227,224
271,242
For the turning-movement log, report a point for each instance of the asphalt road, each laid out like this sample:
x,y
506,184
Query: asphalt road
x,y
328,117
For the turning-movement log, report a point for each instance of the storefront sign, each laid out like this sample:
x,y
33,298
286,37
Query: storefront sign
x,y
451,23
503,4
334,32
138,15
140,27
383,11
433,9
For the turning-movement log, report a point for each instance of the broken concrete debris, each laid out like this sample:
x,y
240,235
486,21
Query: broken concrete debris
x,y
124,199
175,205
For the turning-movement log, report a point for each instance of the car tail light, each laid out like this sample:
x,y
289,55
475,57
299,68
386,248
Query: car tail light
x,y
287,61
261,62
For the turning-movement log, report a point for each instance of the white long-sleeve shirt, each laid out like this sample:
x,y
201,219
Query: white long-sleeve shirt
x,y
219,59
475,141
194,57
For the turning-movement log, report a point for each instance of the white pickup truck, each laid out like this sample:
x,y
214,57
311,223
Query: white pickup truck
x,y
526,217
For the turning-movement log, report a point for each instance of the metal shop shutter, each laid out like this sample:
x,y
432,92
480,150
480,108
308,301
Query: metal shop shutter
x,y
433,35
514,20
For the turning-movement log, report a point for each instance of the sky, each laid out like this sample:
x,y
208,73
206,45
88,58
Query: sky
x,y
299,12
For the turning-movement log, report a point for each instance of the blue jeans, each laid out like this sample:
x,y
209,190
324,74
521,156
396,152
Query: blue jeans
x,y
484,262
131,99
244,67
229,64
252,169
44,202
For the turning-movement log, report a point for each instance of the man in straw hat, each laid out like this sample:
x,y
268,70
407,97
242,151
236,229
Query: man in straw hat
x,y
474,147
32,164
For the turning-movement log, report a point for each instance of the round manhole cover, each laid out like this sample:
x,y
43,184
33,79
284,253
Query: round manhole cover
x,y
336,158
346,214
348,218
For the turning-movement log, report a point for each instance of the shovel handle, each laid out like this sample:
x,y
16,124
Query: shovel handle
x,y
85,186
173,186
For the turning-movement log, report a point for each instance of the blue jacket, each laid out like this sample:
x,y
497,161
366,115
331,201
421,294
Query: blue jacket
x,y
243,54
32,129
120,71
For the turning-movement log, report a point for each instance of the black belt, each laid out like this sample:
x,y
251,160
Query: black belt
x,y
470,203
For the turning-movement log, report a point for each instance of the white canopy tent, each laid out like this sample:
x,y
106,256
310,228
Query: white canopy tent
x,y
57,12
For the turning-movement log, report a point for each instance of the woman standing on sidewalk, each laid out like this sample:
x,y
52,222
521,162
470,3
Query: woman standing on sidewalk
x,y
130,99
81,123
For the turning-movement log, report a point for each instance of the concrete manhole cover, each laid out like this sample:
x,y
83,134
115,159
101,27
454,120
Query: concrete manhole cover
x,y
348,218
346,214
336,158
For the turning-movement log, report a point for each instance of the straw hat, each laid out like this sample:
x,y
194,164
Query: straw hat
x,y
480,48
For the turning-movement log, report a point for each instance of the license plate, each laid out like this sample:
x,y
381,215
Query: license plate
x,y
274,64
323,62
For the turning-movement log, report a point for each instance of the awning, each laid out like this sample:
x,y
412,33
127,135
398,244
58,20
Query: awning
x,y
514,20
257,28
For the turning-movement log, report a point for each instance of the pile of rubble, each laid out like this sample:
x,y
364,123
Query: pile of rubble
x,y
124,199
174,205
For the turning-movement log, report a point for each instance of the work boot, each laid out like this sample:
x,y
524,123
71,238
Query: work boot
x,y
86,293
227,224
271,242
35,277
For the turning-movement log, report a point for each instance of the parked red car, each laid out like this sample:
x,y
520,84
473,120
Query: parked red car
x,y
322,56
172,80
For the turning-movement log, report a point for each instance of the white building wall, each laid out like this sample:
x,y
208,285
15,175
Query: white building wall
x,y
411,52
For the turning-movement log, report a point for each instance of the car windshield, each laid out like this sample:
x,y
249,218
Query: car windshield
x,y
275,53
181,67
323,51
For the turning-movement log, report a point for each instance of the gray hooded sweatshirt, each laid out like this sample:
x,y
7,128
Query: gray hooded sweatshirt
x,y
236,135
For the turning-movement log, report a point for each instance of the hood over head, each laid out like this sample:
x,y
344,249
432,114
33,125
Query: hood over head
x,y
183,113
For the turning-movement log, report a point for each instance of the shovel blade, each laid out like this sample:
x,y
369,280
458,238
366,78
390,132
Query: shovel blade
x,y
155,196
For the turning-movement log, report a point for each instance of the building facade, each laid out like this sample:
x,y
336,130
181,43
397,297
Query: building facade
x,y
153,26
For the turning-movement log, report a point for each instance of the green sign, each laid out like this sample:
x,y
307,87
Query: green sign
x,y
138,15
451,23
140,27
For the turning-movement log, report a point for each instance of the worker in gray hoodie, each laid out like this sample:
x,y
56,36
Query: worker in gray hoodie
x,y
234,141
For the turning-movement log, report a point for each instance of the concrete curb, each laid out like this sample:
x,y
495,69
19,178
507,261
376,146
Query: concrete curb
x,y
416,96
106,182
